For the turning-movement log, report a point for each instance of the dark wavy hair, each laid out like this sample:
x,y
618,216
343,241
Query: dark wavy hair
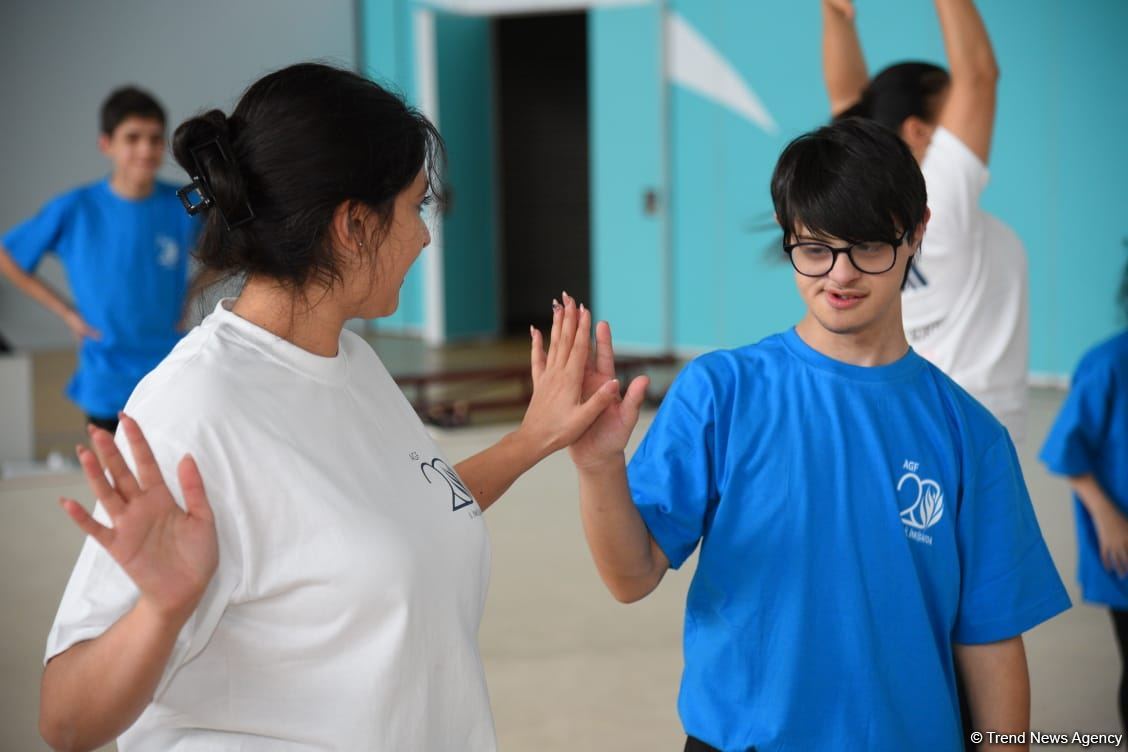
x,y
853,180
300,142
910,89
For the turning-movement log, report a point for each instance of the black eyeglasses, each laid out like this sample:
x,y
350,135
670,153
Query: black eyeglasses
x,y
813,259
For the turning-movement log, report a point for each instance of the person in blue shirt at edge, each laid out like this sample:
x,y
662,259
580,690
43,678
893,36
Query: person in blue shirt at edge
x,y
124,242
863,522
1088,443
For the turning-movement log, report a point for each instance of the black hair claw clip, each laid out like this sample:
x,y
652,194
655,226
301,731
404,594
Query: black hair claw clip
x,y
198,188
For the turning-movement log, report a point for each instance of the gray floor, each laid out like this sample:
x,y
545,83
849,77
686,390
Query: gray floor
x,y
568,668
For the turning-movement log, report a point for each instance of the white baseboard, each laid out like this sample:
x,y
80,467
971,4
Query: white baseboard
x,y
1052,380
17,432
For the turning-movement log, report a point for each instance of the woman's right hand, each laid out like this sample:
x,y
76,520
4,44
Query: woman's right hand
x,y
170,553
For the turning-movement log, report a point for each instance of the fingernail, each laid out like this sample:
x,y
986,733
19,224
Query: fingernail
x,y
556,305
532,331
581,307
565,296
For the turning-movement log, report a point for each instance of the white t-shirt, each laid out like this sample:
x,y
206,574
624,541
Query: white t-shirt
x,y
353,563
965,305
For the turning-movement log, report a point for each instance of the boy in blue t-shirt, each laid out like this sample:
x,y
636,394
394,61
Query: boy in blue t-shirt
x,y
1089,443
124,242
862,522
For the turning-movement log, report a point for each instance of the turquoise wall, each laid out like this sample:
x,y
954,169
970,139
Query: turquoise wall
x,y
629,275
387,54
1059,168
466,119
465,92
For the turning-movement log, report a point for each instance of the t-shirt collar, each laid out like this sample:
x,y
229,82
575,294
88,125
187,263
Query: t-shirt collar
x,y
905,366
333,370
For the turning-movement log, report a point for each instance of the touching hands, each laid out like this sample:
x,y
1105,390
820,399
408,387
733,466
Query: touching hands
x,y
607,437
576,401
565,401
170,553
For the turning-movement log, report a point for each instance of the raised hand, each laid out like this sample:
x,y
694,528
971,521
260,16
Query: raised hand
x,y
561,407
170,553
844,7
607,437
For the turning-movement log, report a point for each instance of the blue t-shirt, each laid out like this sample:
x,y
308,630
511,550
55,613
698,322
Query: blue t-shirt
x,y
127,264
1090,436
854,523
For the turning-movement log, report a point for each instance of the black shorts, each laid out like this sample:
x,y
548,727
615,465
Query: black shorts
x,y
106,424
693,744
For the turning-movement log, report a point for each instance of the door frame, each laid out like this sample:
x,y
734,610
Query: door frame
x,y
427,86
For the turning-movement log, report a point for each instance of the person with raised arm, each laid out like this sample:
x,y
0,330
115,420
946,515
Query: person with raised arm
x,y
966,298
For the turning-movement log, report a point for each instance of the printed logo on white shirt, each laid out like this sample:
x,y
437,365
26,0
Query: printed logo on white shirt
x,y
927,507
460,496
168,251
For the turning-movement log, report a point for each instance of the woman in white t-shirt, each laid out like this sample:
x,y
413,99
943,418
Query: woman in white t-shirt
x,y
965,298
326,591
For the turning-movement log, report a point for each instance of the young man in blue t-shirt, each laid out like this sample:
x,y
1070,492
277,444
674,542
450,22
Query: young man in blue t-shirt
x,y
124,242
863,522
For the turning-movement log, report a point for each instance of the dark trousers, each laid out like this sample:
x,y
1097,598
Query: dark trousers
x,y
106,424
965,713
1119,618
1120,626
693,744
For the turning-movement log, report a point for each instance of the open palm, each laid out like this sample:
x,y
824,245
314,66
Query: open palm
x,y
608,435
170,553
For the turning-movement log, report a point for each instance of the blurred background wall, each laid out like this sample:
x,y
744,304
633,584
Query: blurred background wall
x,y
621,152
677,209
60,59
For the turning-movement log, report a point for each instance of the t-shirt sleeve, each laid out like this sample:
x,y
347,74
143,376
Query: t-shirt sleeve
x,y
1072,446
100,592
954,178
28,241
671,476
1009,583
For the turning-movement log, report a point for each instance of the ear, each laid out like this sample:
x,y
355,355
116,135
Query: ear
x,y
104,144
918,232
917,133
345,228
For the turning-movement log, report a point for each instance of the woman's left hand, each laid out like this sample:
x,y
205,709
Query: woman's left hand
x,y
558,414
